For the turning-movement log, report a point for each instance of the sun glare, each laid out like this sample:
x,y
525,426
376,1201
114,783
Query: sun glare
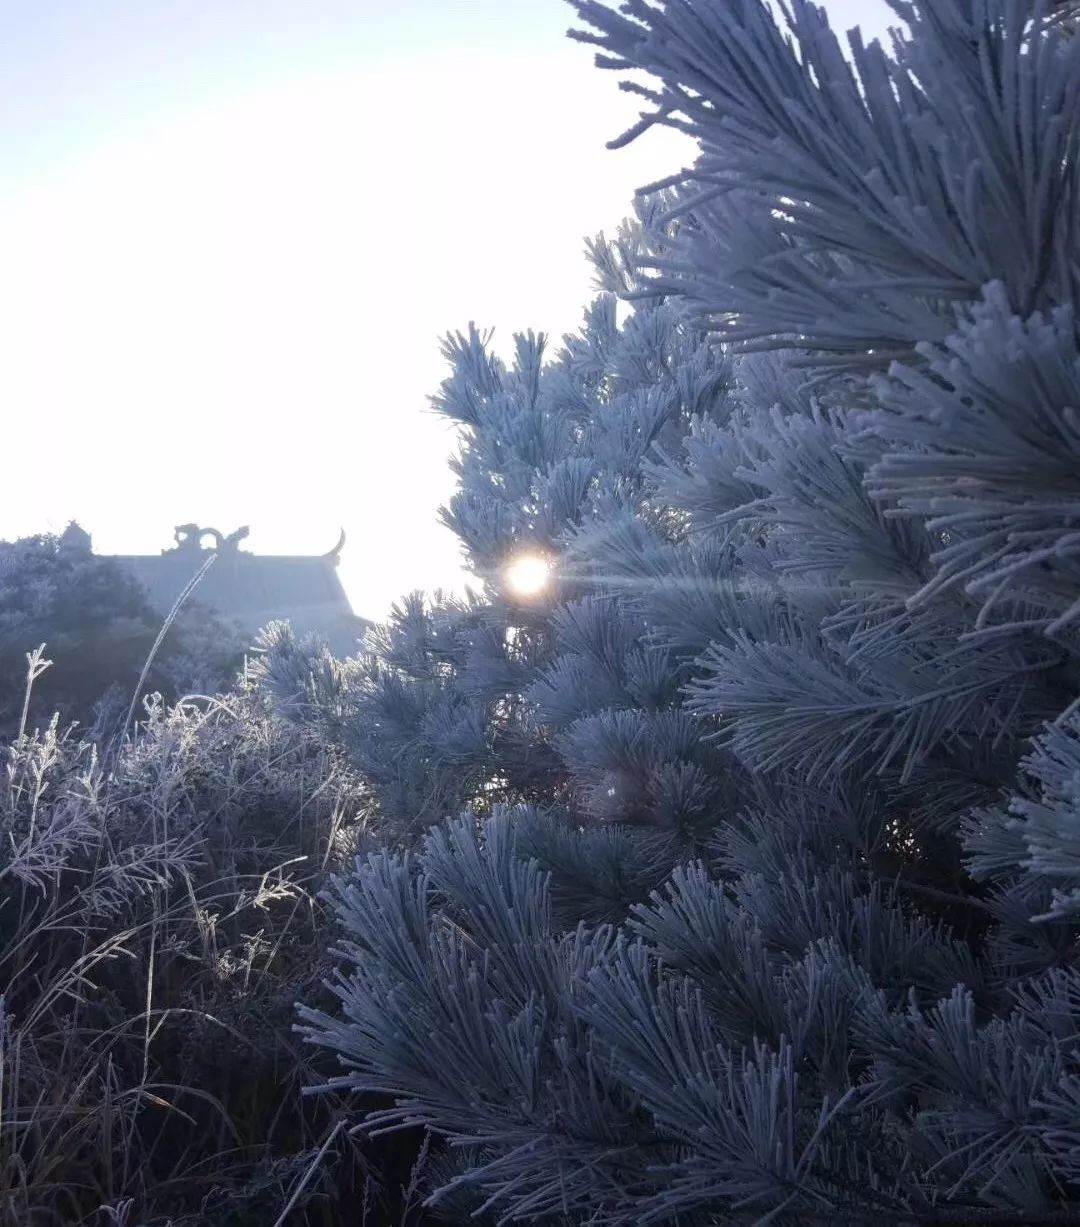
x,y
528,575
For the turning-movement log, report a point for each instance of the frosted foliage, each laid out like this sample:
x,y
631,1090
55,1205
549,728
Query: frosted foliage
x,y
992,419
841,202
785,931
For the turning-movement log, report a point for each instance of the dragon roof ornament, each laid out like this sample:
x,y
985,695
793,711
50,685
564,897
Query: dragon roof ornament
x,y
189,539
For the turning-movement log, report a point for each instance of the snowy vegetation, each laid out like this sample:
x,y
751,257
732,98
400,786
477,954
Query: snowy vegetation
x,y
99,630
719,861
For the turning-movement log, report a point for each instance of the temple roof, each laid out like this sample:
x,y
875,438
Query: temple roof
x,y
252,589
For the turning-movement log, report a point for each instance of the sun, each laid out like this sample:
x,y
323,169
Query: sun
x,y
527,575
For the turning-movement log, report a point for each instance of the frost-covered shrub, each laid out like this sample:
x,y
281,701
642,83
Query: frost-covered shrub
x,y
159,915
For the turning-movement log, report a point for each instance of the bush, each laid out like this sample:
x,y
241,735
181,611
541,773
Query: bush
x,y
160,915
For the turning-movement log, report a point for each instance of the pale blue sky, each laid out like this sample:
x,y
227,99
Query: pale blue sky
x,y
232,232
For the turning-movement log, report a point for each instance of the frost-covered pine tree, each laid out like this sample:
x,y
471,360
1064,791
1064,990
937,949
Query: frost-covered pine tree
x,y
856,583
557,694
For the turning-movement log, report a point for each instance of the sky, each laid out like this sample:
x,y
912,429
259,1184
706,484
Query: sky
x,y
233,232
